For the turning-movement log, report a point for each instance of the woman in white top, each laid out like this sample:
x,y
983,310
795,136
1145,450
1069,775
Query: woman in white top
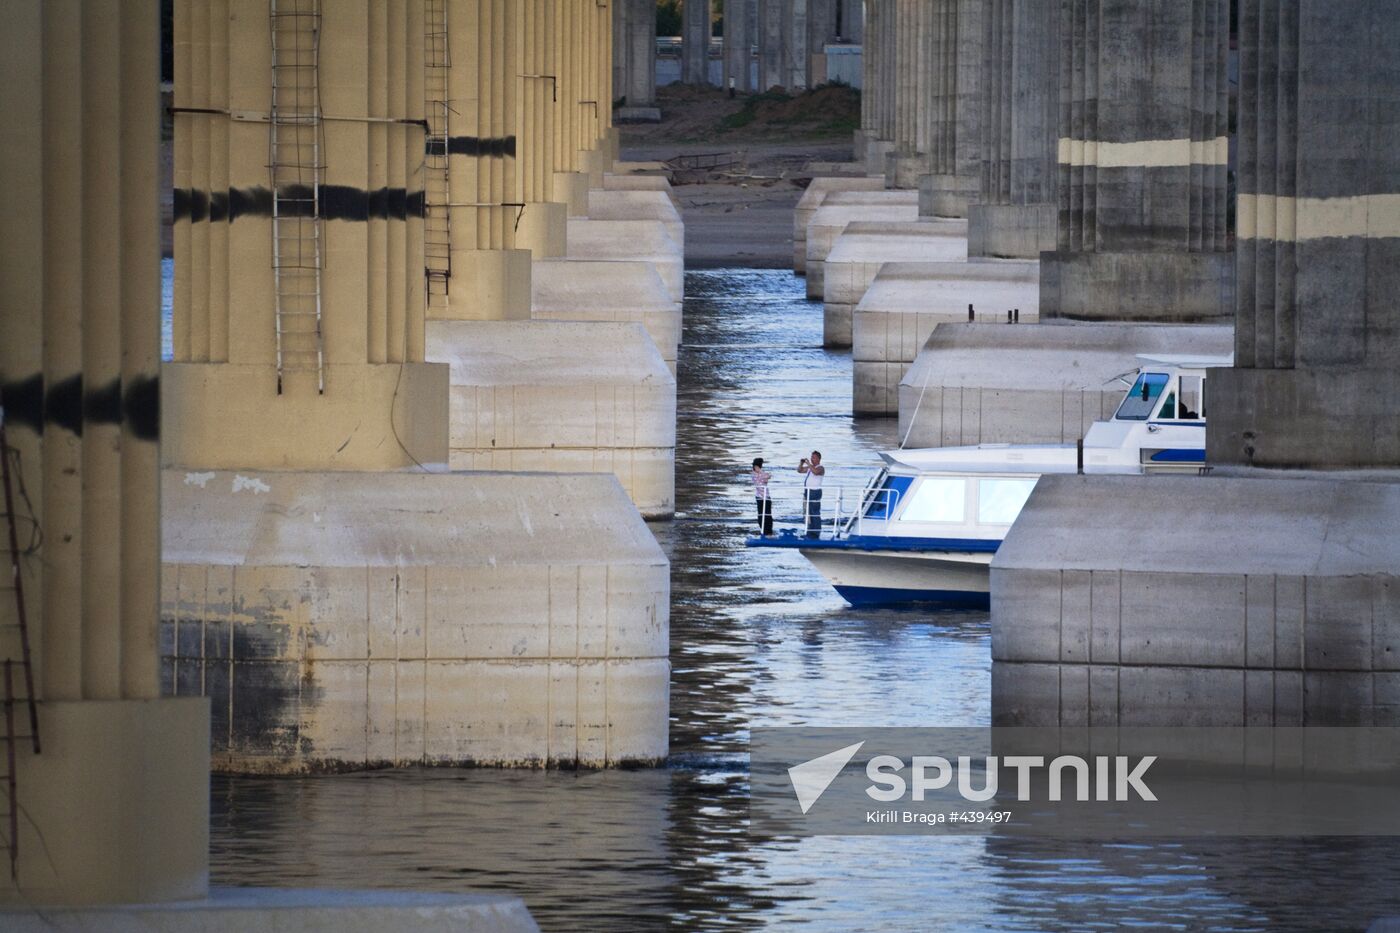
x,y
761,478
813,472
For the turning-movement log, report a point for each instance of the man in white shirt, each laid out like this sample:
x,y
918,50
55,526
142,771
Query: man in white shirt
x,y
761,478
813,471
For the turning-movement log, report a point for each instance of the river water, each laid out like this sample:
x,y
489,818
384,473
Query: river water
x,y
758,639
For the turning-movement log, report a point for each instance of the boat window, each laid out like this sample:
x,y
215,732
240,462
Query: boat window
x,y
1168,407
1141,399
999,501
937,499
887,498
1192,405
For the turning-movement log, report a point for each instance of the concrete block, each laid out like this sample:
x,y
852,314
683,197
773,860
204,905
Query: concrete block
x,y
616,292
1245,599
255,910
497,580
1041,384
1161,287
864,248
1011,231
640,181
615,204
557,396
906,300
1025,694
830,220
630,241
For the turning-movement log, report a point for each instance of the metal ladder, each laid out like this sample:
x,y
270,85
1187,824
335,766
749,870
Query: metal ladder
x,y
437,191
20,625
295,166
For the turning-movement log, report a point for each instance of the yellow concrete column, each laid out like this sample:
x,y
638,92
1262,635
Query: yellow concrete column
x,y
352,390
544,221
115,791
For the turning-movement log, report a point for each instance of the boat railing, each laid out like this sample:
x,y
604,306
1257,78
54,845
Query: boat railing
x,y
844,514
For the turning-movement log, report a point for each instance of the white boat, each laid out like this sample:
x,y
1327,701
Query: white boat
x,y
924,529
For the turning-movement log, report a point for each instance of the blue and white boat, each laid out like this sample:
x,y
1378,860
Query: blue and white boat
x,y
924,528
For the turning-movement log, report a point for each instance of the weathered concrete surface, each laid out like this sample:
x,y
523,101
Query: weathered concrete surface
x,y
257,910
353,620
1220,601
1001,383
614,204
619,292
815,195
630,241
899,311
128,776
1011,231
1163,287
864,248
562,397
830,220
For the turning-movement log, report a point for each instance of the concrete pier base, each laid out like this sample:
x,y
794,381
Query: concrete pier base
x,y
1047,383
613,204
639,181
864,248
1165,287
1011,231
815,195
907,300
616,292
830,220
355,620
257,910
946,195
562,397
1206,601
116,808
630,241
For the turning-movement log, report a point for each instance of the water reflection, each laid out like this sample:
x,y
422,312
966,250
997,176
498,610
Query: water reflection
x,y
758,639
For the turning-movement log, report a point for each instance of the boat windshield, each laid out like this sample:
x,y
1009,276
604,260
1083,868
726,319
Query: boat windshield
x,y
937,499
885,500
1142,398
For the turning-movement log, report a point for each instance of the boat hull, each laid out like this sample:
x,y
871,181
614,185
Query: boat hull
x,y
877,577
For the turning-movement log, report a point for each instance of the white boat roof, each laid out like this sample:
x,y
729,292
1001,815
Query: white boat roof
x,y
987,458
1187,361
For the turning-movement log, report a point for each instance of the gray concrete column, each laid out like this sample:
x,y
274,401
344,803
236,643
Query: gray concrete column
x,y
954,164
620,12
1142,156
822,27
1016,210
696,16
738,44
852,20
1316,381
640,85
773,52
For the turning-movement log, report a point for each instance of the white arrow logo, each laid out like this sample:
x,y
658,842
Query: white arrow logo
x,y
811,778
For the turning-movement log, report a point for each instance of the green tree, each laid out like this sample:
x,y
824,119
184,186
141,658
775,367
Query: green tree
x,y
668,17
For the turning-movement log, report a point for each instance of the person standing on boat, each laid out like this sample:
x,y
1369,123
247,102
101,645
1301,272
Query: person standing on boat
x,y
813,471
761,478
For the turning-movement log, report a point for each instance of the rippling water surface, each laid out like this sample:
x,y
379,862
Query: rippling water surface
x,y
758,639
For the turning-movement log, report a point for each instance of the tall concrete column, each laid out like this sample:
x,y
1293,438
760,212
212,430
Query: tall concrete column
x,y
114,792
738,44
1316,381
852,21
955,62
774,53
696,19
1016,210
640,85
822,27
355,131
1142,163
878,95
